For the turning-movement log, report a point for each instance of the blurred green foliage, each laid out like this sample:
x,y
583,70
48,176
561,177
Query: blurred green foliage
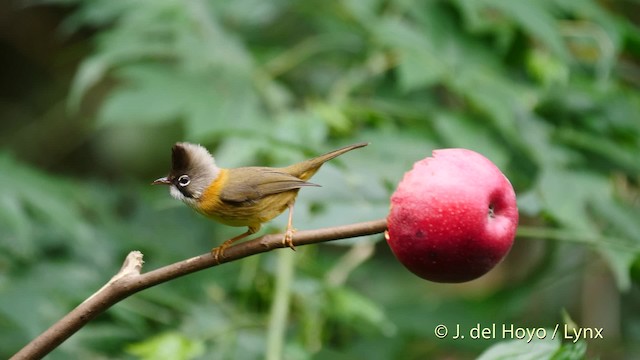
x,y
547,89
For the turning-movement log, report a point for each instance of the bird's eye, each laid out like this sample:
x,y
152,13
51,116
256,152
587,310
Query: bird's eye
x,y
184,180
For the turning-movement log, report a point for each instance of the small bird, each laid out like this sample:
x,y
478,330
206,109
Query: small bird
x,y
244,196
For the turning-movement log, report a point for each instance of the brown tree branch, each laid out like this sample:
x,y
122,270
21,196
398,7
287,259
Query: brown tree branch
x,y
129,280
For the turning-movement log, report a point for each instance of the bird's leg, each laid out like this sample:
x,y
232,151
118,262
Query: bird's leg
x,y
288,235
218,252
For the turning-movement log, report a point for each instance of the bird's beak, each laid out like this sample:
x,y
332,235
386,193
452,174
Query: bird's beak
x,y
161,181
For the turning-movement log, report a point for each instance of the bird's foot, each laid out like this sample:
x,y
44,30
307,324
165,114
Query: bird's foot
x,y
218,252
288,238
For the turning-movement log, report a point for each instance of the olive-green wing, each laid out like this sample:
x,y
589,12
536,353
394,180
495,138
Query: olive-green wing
x,y
253,183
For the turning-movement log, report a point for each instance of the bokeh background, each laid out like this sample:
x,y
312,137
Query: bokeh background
x,y
94,93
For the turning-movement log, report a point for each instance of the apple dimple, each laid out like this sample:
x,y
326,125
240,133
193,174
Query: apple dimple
x,y
491,212
453,216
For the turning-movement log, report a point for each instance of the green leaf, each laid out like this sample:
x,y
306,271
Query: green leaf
x,y
536,17
609,148
90,72
215,105
537,349
38,199
153,94
419,63
497,97
567,196
333,115
457,130
571,351
348,306
548,69
363,10
169,346
622,231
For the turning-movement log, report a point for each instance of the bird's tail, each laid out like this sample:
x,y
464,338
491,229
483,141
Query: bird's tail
x,y
305,169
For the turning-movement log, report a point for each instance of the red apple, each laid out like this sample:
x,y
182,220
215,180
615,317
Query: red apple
x,y
453,216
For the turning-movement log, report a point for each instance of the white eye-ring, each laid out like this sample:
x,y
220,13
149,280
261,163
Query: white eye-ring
x,y
184,180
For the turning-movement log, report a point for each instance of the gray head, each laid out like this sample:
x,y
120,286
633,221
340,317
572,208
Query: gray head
x,y
192,171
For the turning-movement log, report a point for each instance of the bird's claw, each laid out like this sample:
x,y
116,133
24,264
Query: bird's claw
x,y
288,239
218,253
